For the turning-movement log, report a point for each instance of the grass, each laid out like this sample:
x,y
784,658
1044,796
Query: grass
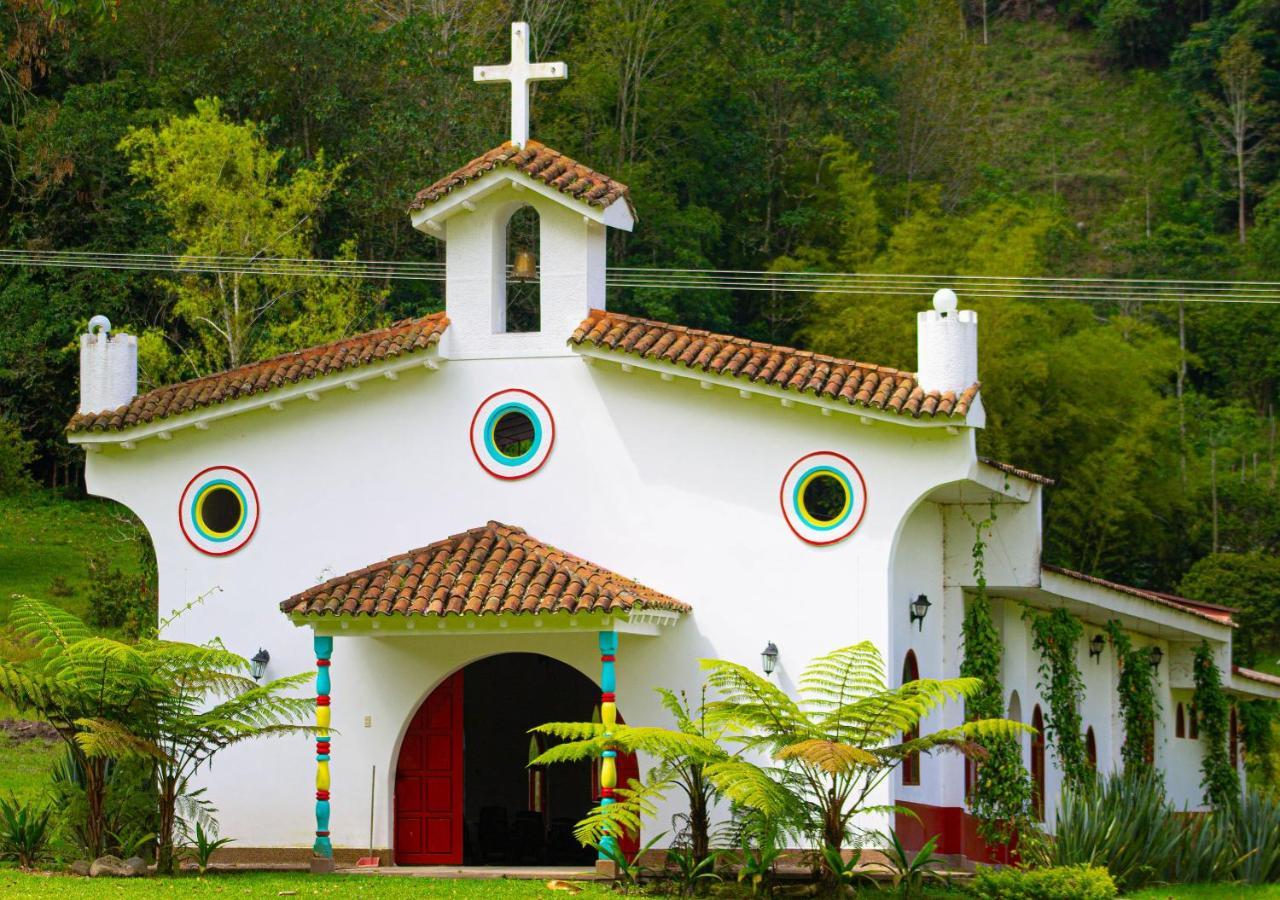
x,y
1211,892
273,884
25,766
45,541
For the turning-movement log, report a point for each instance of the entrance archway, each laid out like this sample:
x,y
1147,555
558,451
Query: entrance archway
x,y
464,791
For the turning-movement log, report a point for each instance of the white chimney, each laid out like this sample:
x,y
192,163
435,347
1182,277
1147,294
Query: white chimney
x,y
108,367
946,345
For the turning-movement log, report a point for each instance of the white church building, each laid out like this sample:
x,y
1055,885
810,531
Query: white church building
x,y
529,508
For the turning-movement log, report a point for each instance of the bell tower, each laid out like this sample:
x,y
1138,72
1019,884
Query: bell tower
x,y
525,227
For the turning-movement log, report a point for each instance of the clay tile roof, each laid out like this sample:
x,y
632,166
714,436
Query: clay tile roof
x,y
1254,675
541,163
1014,470
1209,611
403,337
828,377
493,569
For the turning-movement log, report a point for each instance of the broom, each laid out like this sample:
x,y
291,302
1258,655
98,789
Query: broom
x,y
370,861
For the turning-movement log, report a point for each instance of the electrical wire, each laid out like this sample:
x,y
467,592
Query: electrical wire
x,y
1112,290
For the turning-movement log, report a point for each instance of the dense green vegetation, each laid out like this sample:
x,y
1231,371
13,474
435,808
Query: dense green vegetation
x,y
1028,137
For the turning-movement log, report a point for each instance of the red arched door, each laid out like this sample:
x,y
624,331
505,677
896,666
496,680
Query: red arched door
x,y
1037,764
428,805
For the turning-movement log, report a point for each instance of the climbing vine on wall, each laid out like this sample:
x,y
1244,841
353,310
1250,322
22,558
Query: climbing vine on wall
x,y
1137,701
1001,789
1218,778
1056,636
1256,720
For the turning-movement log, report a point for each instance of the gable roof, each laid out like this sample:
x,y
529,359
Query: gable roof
x,y
856,383
494,569
1011,469
407,336
1209,611
540,162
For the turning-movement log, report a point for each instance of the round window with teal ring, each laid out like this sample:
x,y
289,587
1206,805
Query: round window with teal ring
x,y
218,512
512,433
823,497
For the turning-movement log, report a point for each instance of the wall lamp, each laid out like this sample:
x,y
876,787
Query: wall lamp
x,y
258,665
1156,655
919,608
769,658
1095,647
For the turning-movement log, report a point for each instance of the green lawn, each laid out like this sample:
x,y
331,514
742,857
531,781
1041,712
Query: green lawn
x,y
25,766
45,541
259,884
1211,892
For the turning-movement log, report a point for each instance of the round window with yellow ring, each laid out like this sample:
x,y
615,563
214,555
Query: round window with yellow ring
x,y
823,497
218,512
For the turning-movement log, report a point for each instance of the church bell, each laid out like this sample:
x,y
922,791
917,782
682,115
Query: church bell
x,y
525,268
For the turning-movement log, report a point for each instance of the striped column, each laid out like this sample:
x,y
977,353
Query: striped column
x,y
324,650
609,718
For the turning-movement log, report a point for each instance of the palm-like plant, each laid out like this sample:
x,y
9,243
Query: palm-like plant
x,y
88,688
835,744
210,704
172,703
682,756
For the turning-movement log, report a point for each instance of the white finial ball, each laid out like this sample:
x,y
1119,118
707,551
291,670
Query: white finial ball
x,y
945,300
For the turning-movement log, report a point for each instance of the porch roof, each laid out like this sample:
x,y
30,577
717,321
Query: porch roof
x,y
493,570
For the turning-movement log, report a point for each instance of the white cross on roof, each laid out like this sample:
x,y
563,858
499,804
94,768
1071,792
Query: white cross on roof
x,y
520,72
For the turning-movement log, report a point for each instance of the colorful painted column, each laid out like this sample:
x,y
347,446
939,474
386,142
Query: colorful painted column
x,y
324,650
609,718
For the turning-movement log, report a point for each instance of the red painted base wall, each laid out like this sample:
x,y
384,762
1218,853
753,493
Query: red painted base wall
x,y
957,833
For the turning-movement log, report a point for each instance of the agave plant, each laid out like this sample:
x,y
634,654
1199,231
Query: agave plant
x,y
1122,823
834,745
1257,831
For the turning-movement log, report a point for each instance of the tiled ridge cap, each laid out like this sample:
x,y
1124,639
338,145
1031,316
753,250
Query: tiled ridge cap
x,y
494,568
539,162
406,336
1255,675
788,368
1179,603
1014,470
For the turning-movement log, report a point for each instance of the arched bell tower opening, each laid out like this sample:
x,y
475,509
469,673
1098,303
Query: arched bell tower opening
x,y
521,301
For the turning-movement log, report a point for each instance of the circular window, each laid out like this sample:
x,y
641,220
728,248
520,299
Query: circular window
x,y
823,497
512,433
218,511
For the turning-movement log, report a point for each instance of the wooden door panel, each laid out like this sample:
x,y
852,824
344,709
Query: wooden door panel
x,y
429,773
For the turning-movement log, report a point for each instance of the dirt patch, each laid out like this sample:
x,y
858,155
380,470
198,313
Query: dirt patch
x,y
21,730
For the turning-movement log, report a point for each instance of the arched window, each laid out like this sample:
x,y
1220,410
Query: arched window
x,y
911,762
1193,723
1037,764
1234,741
1179,723
522,304
537,776
1091,749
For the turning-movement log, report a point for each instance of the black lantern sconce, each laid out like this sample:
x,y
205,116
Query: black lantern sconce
x,y
1156,655
769,658
1095,647
919,608
258,665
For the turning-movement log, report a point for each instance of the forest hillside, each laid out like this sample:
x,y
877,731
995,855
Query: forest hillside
x,y
1076,138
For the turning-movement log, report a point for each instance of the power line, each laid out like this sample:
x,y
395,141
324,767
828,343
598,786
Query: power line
x,y
855,283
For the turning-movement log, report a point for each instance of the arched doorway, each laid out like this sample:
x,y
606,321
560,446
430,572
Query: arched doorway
x,y
464,791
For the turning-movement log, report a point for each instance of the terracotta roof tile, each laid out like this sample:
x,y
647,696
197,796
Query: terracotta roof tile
x,y
255,378
539,162
1255,675
855,383
489,570
1014,470
1211,612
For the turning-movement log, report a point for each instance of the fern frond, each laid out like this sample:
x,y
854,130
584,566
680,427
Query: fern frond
x,y
102,738
831,757
625,815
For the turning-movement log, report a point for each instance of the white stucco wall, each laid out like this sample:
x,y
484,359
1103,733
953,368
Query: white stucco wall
x,y
661,481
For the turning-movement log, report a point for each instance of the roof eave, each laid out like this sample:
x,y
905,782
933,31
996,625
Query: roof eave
x,y
431,218
311,389
642,621
747,389
1138,612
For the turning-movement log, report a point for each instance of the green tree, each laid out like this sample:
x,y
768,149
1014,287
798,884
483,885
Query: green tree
x,y
1251,583
223,193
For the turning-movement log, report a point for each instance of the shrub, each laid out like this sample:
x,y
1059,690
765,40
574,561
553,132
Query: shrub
x,y
16,454
24,832
1058,883
1123,823
118,600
